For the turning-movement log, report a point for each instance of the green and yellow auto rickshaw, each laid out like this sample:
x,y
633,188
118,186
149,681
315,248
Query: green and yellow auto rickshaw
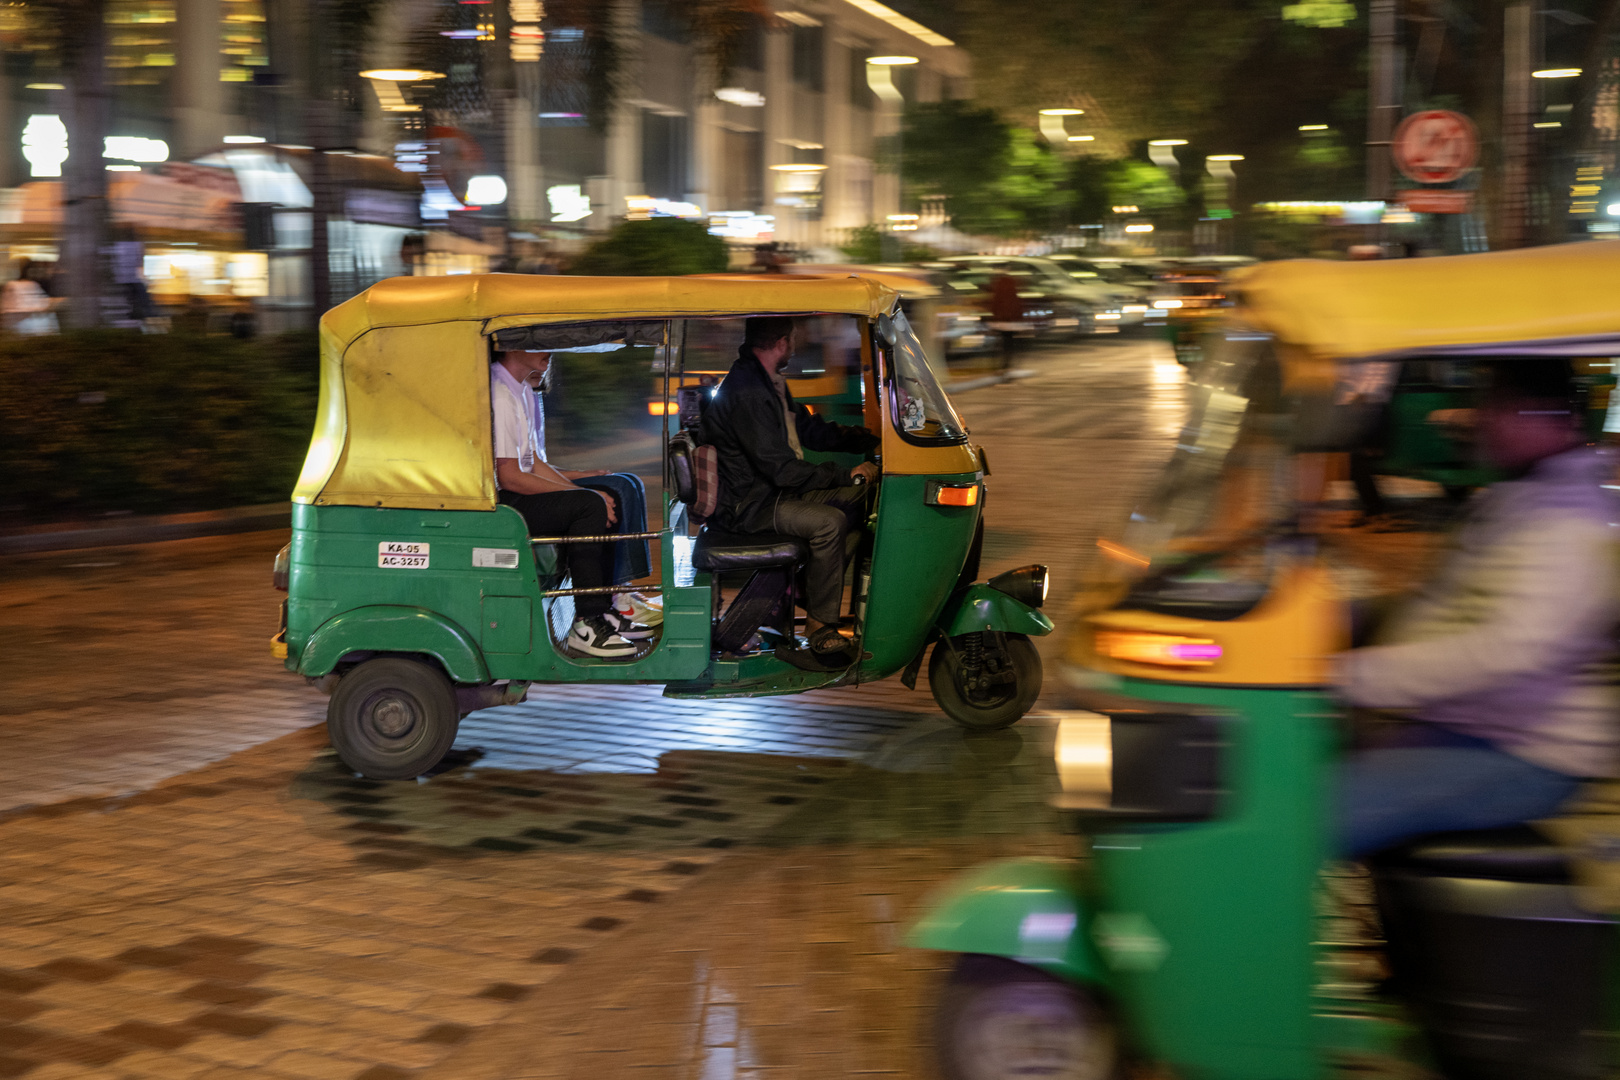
x,y
414,596
1208,932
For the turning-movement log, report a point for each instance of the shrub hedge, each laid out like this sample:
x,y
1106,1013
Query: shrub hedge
x,y
169,423
114,421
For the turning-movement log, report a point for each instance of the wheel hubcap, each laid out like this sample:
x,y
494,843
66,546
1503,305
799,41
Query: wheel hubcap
x,y
391,716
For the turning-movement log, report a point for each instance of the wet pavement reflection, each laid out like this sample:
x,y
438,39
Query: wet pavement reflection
x,y
599,882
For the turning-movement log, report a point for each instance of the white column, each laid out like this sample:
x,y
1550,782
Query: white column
x,y
778,125
197,95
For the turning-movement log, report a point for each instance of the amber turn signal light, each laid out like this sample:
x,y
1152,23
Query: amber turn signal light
x,y
940,494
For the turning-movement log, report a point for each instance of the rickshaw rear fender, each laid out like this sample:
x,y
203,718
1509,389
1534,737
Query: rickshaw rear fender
x,y
394,629
1028,910
979,607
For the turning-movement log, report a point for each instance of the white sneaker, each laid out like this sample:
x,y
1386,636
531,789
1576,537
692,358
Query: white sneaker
x,y
595,637
634,607
627,628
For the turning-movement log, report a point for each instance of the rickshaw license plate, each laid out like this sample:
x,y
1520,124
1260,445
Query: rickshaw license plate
x,y
393,555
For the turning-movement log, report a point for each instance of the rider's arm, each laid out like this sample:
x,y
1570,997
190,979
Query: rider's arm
x,y
824,435
1524,606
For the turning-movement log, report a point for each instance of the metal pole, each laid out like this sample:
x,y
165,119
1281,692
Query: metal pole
x,y
1383,98
1518,32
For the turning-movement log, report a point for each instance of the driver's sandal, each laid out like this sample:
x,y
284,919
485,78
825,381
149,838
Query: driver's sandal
x,y
828,651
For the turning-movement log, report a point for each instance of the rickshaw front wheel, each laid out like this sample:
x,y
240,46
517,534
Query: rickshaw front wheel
x,y
1000,1019
392,718
985,681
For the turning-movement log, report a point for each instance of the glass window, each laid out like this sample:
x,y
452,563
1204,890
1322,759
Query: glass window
x,y
917,403
809,56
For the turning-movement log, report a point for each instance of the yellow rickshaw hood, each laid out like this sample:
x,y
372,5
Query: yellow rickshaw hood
x,y
403,418
501,300
1560,298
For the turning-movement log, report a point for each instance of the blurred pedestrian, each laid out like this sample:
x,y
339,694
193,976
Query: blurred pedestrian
x,y
128,257
1006,315
25,307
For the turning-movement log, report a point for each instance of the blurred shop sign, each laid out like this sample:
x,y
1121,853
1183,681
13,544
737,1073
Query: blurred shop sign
x,y
1435,146
1437,202
398,208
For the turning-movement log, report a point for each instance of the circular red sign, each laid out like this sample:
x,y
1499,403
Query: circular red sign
x,y
1435,146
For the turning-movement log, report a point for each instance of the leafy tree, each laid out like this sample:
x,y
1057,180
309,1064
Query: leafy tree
x,y
996,179
660,245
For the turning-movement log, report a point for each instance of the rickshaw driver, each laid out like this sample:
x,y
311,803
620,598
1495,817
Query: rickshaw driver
x,y
1495,657
760,434
553,505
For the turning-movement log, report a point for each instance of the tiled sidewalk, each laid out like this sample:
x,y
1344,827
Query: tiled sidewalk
x,y
602,882
272,915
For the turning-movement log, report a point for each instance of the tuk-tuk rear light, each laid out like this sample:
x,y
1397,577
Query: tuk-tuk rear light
x,y
941,494
1084,753
281,572
1164,650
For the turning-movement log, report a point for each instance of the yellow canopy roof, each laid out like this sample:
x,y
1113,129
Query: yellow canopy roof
x,y
1563,299
504,300
404,415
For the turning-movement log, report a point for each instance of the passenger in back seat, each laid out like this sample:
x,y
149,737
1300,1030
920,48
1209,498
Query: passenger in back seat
x,y
554,504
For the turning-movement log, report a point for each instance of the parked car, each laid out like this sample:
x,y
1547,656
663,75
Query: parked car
x,y
1055,304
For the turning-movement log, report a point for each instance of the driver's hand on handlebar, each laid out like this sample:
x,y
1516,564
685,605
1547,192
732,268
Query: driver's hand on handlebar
x,y
864,473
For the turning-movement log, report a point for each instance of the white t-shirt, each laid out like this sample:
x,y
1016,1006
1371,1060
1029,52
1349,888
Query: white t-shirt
x,y
519,419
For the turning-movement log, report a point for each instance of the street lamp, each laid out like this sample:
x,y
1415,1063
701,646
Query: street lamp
x,y
1052,124
881,80
1163,153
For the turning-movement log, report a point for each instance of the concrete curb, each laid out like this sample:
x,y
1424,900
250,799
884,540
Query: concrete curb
x,y
147,530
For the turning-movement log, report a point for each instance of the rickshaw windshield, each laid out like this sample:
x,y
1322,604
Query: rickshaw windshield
x,y
920,409
1208,535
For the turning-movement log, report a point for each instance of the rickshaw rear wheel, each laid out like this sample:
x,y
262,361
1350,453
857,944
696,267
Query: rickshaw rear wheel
x,y
985,681
1000,1019
392,718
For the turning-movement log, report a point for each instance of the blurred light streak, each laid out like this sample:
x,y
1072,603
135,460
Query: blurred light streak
x,y
900,22
1555,73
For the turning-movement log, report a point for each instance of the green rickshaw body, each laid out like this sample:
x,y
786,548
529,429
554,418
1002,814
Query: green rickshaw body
x,y
1198,745
400,547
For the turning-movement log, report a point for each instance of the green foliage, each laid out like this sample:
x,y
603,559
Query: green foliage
x,y
996,179
102,421
598,397
660,245
865,245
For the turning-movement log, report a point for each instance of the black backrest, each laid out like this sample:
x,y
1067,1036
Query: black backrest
x,y
680,467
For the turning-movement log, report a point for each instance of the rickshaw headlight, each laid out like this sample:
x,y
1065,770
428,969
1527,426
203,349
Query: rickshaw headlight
x,y
1027,584
1084,754
1164,650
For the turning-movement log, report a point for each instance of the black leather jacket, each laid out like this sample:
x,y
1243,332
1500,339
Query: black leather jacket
x,y
757,465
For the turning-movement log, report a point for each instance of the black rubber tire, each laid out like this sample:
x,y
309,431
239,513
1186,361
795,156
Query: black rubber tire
x,y
999,1019
1000,711
392,718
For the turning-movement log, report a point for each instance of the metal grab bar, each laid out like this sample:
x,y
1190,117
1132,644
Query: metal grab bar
x,y
603,589
594,539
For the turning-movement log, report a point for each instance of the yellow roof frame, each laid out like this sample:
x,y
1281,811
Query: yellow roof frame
x,y
403,418
1562,299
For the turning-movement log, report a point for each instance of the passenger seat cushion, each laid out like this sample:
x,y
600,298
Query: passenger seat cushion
x,y
717,550
705,482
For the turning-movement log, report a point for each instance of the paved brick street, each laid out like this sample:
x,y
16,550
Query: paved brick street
x,y
600,882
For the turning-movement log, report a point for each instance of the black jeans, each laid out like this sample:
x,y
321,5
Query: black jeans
x,y
572,513
823,518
